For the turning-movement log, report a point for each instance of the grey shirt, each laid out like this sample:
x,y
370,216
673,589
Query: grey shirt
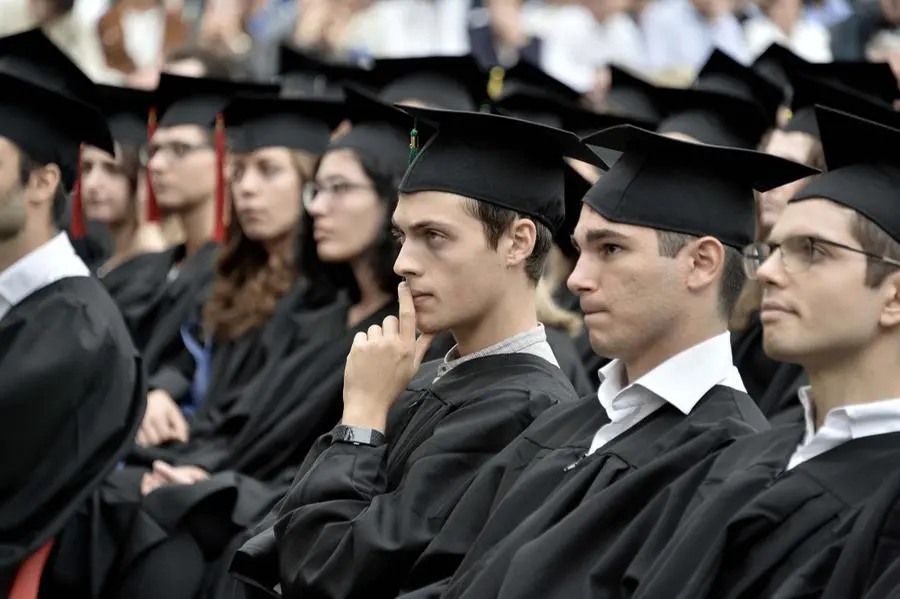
x,y
532,342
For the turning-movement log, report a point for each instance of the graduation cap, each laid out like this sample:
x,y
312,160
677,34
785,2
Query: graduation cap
x,y
198,100
50,127
127,111
689,188
869,78
30,56
454,82
526,73
532,104
728,105
576,188
377,128
499,160
306,74
297,123
776,64
863,159
632,96
810,92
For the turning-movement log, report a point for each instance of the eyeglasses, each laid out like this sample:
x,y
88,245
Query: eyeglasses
x,y
174,149
798,254
337,191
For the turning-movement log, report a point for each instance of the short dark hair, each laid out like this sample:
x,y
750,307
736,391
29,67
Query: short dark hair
x,y
215,65
875,240
733,277
497,220
28,165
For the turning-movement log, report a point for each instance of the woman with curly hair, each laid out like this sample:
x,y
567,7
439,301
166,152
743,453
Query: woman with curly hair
x,y
243,453
275,145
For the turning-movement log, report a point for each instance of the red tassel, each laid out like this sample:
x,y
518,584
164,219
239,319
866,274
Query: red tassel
x,y
76,227
219,230
153,214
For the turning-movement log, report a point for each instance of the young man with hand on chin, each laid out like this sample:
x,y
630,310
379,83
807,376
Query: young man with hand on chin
x,y
475,221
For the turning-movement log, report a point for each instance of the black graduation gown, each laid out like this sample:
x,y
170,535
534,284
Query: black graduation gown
x,y
545,475
71,398
764,523
358,516
252,455
156,306
860,563
560,342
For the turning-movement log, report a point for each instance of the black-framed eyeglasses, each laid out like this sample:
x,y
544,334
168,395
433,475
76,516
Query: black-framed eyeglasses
x,y
799,253
336,190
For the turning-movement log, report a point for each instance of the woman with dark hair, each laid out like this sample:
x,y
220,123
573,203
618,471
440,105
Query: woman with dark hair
x,y
243,454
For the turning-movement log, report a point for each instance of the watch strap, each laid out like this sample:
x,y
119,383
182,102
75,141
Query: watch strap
x,y
357,435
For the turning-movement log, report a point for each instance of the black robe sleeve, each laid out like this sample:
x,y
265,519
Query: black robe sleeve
x,y
348,528
71,398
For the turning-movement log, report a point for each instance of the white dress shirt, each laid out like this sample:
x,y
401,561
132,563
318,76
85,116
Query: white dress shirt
x,y
681,381
49,263
842,425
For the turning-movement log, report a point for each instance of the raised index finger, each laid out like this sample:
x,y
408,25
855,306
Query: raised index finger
x,y
407,314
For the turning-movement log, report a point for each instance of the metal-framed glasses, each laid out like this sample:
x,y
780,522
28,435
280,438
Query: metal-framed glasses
x,y
336,190
799,253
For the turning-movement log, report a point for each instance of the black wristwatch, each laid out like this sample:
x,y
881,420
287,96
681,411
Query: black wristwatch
x,y
357,435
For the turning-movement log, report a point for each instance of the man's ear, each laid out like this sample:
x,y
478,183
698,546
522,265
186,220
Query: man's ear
x,y
706,259
522,235
890,313
42,184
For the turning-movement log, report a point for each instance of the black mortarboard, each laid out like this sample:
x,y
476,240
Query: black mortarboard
x,y
31,56
776,64
453,82
810,92
576,187
198,100
377,129
869,78
526,73
531,104
689,188
725,75
126,111
728,105
297,123
49,127
306,74
632,96
863,159
499,160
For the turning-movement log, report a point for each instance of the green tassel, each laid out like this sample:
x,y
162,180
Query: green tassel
x,y
413,144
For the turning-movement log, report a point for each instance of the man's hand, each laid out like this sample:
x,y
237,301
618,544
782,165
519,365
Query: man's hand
x,y
179,475
163,421
166,474
381,363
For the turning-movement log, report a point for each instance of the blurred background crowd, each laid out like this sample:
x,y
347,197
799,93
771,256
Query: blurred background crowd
x,y
128,42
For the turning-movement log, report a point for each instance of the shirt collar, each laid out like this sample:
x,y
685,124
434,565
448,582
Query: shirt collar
x,y
854,421
54,260
682,380
510,345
